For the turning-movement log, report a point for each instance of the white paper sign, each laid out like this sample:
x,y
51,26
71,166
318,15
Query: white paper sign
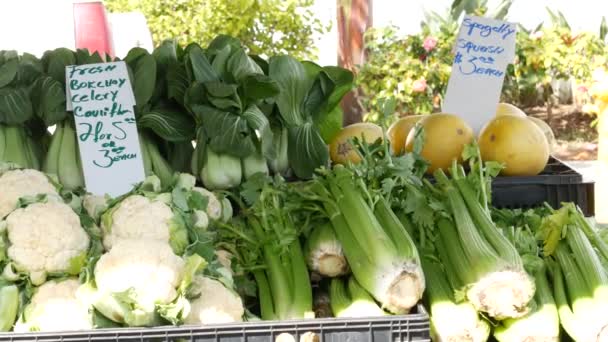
x,y
484,48
101,98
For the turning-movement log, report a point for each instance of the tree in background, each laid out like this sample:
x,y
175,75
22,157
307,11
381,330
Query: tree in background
x,y
266,27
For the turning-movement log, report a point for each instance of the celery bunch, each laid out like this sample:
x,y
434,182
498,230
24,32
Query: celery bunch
x,y
486,262
380,252
579,278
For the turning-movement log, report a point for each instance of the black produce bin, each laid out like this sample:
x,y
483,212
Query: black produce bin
x,y
556,184
412,327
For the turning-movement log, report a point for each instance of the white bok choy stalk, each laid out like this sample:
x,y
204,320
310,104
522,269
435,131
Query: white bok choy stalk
x,y
63,159
280,163
252,164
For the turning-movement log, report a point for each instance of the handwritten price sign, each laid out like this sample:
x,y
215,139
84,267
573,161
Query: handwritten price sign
x,y
101,98
484,48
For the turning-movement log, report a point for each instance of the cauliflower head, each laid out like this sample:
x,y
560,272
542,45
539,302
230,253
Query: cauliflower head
x,y
217,209
216,303
139,217
21,183
46,237
55,307
143,273
214,205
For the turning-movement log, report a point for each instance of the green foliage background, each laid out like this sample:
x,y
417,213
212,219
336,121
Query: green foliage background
x,y
549,52
266,27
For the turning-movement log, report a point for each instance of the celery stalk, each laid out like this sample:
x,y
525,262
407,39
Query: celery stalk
x,y
541,324
269,240
494,284
451,321
388,269
584,309
482,219
339,298
324,253
265,296
351,300
580,280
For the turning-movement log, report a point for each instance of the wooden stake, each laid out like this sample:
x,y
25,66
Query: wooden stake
x,y
354,18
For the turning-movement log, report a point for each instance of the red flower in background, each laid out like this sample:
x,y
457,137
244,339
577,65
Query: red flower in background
x,y
429,43
419,85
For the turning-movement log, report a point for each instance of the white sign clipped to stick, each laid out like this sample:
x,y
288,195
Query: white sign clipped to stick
x,y
484,48
102,100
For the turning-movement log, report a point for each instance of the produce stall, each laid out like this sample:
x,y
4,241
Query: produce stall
x,y
260,218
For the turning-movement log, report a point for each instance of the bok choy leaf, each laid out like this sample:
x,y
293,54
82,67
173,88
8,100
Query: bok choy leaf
x,y
308,102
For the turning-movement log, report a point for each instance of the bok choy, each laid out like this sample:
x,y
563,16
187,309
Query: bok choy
x,y
17,142
308,104
224,96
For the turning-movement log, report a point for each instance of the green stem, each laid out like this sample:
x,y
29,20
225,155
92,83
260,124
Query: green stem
x,y
265,296
276,273
395,230
302,294
591,233
566,316
483,222
478,251
452,255
338,296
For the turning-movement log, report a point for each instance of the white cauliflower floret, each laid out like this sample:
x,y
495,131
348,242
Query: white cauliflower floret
x,y
148,267
216,303
15,184
138,217
55,307
95,205
46,238
224,258
214,206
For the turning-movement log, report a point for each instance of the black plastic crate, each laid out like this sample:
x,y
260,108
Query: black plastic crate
x,y
411,327
556,184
